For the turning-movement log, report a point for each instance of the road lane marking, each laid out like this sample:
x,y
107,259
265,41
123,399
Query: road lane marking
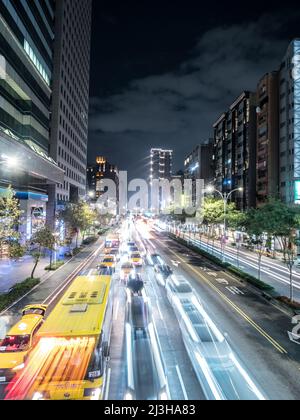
x,y
223,281
159,310
107,384
235,291
246,317
117,310
182,383
253,264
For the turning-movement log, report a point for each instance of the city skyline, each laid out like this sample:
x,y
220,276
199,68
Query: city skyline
x,y
149,203
189,99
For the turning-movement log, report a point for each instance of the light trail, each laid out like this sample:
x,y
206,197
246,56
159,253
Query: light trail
x,y
54,360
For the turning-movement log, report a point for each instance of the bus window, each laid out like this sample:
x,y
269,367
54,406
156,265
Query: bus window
x,y
96,366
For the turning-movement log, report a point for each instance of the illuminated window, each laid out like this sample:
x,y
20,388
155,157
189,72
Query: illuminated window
x,y
36,63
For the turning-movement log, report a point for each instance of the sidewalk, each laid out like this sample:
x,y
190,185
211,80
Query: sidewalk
x,y
14,272
273,271
234,249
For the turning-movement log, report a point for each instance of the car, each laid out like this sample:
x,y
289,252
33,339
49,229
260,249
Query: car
x,y
133,249
115,253
178,286
153,259
136,259
19,341
127,270
108,262
162,272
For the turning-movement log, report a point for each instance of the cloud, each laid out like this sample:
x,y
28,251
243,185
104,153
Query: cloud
x,y
178,109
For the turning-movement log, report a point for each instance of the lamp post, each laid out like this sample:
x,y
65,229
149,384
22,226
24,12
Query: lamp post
x,y
9,161
225,198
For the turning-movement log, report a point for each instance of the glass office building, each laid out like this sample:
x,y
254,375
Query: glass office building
x,y
289,119
26,59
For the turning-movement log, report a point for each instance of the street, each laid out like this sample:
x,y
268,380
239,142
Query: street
x,y
273,272
256,331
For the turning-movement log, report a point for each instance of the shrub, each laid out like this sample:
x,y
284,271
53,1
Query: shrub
x,y
55,266
17,292
89,241
289,303
244,276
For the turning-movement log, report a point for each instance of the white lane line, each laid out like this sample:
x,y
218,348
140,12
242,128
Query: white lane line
x,y
182,383
159,310
276,277
90,272
117,310
107,384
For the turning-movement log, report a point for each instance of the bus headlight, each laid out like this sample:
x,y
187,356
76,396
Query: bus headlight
x,y
163,396
128,396
20,367
37,397
94,393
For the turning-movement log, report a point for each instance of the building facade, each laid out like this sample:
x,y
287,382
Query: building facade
x,y
161,163
289,124
96,173
199,163
70,100
26,60
267,174
235,151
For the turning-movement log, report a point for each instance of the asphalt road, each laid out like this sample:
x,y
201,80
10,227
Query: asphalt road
x,y
273,272
256,330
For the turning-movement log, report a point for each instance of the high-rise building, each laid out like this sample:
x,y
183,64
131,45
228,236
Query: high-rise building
x,y
96,173
235,151
70,101
161,162
267,138
289,124
199,163
26,59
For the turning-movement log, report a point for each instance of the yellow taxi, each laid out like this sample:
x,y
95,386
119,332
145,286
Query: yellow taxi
x,y
109,261
127,270
107,251
136,259
19,341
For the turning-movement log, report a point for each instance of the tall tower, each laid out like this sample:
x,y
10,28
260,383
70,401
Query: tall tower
x,y
70,100
289,124
161,164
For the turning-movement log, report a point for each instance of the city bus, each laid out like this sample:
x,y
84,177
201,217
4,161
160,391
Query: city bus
x,y
71,357
112,242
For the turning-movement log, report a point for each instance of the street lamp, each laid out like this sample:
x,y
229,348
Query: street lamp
x,y
92,194
225,197
9,161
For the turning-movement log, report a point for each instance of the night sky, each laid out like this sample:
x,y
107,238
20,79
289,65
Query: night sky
x,y
163,71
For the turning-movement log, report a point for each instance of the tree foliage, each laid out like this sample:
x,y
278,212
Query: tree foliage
x,y
10,214
44,239
79,217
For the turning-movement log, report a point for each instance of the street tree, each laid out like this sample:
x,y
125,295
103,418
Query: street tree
x,y
44,239
256,224
79,217
284,224
213,214
10,215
